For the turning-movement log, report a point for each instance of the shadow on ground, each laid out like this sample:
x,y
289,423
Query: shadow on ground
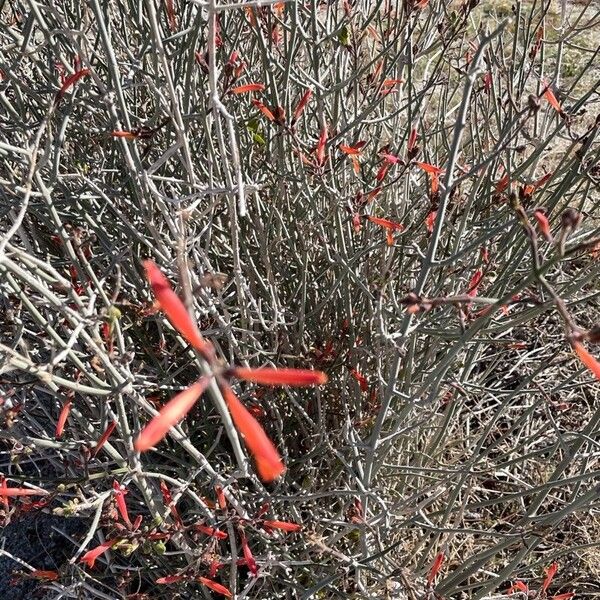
x,y
37,540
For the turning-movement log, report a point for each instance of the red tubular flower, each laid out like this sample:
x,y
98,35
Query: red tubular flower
x,y
430,220
215,587
174,309
412,139
248,556
211,531
62,419
474,283
543,224
7,492
268,462
90,557
586,358
70,81
362,380
282,525
221,499
502,184
435,568
46,575
169,503
128,135
3,487
249,87
550,573
551,98
518,586
170,414
264,110
120,492
389,226
293,377
103,438
301,105
170,579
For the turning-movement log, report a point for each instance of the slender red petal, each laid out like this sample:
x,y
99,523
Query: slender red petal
x,y
263,109
412,139
268,461
62,418
170,579
543,224
70,81
90,557
169,503
430,168
3,487
386,223
430,220
382,172
120,492
104,438
249,87
392,82
320,152
47,575
248,556
211,531
585,357
362,380
283,525
551,98
301,105
435,568
349,150
550,573
7,492
390,158
518,586
566,596
174,308
170,414
215,587
474,283
221,498
293,377
128,135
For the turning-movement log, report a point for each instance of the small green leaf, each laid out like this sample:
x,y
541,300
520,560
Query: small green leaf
x,y
344,36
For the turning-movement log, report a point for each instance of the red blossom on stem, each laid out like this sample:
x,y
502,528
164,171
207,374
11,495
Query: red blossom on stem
x,y
211,531
174,309
90,557
286,526
550,573
120,493
7,492
292,377
103,438
248,556
249,87
587,359
215,587
435,568
268,461
170,414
